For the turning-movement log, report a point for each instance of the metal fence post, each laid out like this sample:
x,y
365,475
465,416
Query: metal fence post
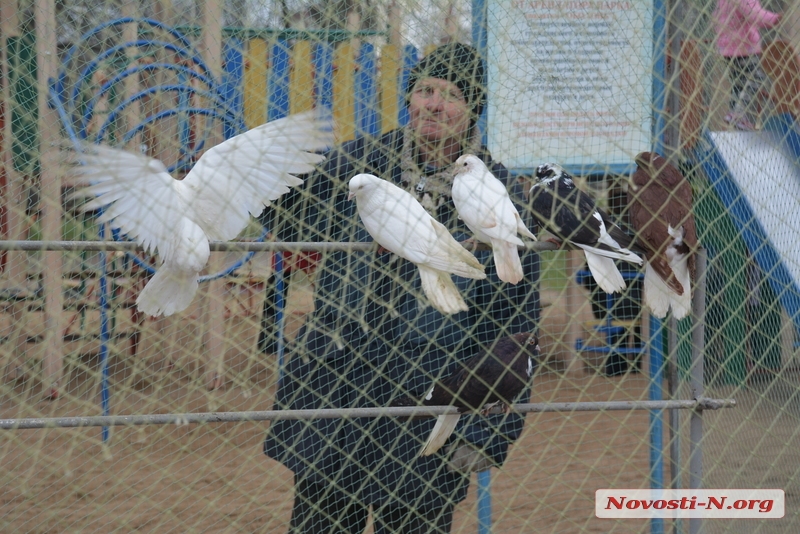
x,y
484,502
655,393
674,424
696,383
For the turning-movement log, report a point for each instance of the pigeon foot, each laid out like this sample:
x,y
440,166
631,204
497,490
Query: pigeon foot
x,y
489,407
216,382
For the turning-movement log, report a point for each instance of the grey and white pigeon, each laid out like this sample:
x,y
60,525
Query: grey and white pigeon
x,y
399,223
177,218
483,204
572,215
494,377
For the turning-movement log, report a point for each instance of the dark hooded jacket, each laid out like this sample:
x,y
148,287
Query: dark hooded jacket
x,y
369,341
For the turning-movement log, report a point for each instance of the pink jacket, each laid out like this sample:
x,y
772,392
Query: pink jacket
x,y
737,23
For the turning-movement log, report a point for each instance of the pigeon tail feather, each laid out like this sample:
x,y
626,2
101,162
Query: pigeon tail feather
x,y
522,229
656,293
665,272
506,259
444,427
619,254
460,261
169,291
681,304
660,295
441,291
604,272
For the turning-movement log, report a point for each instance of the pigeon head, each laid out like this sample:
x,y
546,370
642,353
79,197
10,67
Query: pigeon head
x,y
643,172
549,172
528,342
362,184
553,176
469,163
518,346
643,159
648,163
652,166
651,162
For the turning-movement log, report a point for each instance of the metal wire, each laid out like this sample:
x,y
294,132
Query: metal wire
x,y
228,246
334,413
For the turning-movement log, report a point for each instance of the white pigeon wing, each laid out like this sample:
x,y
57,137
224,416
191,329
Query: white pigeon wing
x,y
656,293
486,208
239,177
399,223
137,194
604,270
449,256
472,209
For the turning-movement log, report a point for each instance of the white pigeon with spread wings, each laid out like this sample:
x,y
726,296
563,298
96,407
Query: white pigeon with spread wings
x,y
177,218
483,204
399,223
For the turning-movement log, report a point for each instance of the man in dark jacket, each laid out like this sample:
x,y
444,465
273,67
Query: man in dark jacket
x,y
371,341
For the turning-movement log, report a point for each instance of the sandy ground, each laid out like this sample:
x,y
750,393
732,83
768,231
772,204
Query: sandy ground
x,y
213,478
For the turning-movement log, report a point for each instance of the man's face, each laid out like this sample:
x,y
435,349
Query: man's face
x,y
437,110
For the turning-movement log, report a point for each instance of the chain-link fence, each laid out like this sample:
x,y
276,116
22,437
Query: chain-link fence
x,y
194,340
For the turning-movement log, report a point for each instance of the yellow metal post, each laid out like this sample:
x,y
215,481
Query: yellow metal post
x,y
301,81
255,83
344,102
46,69
391,60
213,306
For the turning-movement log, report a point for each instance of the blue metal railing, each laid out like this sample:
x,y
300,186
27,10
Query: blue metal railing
x,y
609,328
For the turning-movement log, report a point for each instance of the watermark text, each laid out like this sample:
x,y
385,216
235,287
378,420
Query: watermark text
x,y
705,503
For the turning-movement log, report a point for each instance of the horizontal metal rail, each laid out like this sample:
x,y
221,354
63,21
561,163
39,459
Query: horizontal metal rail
x,y
347,413
226,246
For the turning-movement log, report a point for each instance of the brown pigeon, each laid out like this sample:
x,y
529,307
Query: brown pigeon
x,y
495,377
660,209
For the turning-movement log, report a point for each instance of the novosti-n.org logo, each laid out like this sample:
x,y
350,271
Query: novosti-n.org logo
x,y
705,503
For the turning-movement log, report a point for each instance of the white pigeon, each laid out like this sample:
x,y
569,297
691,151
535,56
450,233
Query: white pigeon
x,y
483,204
399,223
230,183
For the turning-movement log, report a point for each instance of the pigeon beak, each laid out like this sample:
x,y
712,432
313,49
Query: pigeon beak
x,y
632,186
641,161
351,196
642,164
